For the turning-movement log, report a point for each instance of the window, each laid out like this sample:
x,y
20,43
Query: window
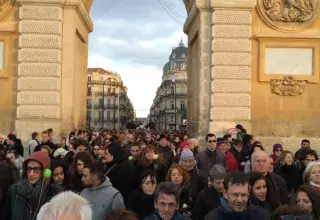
x,y
101,78
89,92
172,104
172,90
108,114
100,115
109,101
1,55
182,105
171,118
100,101
89,78
109,90
88,115
114,91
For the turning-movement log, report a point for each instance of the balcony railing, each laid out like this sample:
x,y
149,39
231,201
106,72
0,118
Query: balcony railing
x,y
106,93
106,106
97,120
106,84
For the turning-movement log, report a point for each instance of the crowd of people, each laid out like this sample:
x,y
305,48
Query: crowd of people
x,y
143,174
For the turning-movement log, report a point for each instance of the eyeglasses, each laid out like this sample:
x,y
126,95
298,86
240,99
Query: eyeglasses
x,y
293,217
212,141
35,169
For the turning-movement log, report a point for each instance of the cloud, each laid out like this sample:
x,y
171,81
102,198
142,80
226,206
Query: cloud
x,y
135,39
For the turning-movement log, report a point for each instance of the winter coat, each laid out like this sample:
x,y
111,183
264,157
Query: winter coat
x,y
224,212
76,184
32,144
167,154
103,199
277,193
198,181
207,159
207,200
291,176
120,175
263,204
141,203
232,164
240,157
156,216
52,146
17,147
23,201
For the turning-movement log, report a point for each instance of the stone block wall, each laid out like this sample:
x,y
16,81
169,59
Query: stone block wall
x,y
231,72
39,69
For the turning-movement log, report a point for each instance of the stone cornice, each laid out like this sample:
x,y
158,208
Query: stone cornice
x,y
83,12
191,18
79,5
233,4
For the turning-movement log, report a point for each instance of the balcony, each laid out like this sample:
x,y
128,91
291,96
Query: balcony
x,y
106,106
89,105
99,120
106,93
114,84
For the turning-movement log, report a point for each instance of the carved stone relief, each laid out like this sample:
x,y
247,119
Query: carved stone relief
x,y
289,15
288,86
5,6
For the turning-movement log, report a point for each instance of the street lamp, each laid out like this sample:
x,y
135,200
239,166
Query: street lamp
x,y
113,83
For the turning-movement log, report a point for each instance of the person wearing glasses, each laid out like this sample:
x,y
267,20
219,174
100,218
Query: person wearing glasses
x,y
210,156
25,198
277,189
166,203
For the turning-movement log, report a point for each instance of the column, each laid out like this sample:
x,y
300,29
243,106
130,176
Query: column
x,y
39,68
231,64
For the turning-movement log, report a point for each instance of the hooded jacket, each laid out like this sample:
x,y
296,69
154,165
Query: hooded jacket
x,y
103,199
24,200
224,212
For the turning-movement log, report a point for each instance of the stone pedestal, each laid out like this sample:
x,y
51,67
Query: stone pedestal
x,y
52,56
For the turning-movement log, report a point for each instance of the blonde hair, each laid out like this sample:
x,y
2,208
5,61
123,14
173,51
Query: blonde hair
x,y
193,141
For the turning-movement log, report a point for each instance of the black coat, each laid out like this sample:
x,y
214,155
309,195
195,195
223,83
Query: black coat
x,y
141,203
291,176
252,213
52,146
277,193
207,200
241,157
120,175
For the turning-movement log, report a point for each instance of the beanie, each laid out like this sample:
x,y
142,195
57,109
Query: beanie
x,y
40,157
186,155
217,172
277,146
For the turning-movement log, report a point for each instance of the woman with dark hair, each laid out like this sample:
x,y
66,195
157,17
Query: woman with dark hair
x,y
241,131
59,181
95,152
258,193
180,177
289,171
308,199
292,212
76,170
149,160
118,170
142,199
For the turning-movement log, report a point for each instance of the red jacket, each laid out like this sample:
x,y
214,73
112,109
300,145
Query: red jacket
x,y
232,163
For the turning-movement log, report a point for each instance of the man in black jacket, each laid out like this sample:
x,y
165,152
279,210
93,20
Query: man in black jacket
x,y
235,204
209,198
46,141
15,144
277,189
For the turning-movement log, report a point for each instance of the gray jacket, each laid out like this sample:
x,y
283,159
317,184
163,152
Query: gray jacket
x,y
103,199
207,159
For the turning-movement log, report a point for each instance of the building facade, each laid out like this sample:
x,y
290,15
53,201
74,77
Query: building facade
x,y
108,105
169,107
43,65
255,63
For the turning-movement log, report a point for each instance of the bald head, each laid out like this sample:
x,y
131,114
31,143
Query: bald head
x,y
259,162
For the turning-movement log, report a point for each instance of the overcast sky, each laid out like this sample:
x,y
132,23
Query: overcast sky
x,y
135,39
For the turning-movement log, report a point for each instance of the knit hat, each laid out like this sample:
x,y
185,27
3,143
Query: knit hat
x,y
217,172
186,155
277,146
60,152
40,157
